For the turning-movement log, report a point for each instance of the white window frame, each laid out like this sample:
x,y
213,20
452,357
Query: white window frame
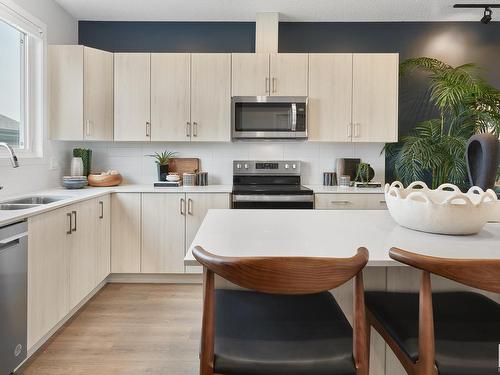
x,y
33,89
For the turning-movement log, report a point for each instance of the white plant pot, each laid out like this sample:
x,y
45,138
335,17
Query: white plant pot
x,y
445,210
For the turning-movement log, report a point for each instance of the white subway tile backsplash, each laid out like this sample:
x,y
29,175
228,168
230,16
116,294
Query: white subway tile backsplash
x,y
217,158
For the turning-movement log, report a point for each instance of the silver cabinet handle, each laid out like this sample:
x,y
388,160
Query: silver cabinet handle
x,y
294,117
101,216
190,206
74,228
195,129
70,223
340,202
188,129
274,84
148,129
349,130
267,87
356,130
183,206
87,128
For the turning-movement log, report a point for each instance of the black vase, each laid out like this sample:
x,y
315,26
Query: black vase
x,y
482,160
162,172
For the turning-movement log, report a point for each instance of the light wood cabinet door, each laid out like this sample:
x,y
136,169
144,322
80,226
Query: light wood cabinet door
x,y
170,96
103,217
250,74
368,201
83,251
48,277
289,73
126,233
330,97
65,86
375,97
97,94
132,96
163,222
197,206
211,96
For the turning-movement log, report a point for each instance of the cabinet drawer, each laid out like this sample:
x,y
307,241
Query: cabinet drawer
x,y
369,201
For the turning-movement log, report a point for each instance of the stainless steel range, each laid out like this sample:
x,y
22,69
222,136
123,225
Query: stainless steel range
x,y
269,184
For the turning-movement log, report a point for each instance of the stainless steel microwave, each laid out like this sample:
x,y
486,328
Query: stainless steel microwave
x,y
269,117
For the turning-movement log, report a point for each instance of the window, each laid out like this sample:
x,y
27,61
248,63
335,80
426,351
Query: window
x,y
12,78
22,45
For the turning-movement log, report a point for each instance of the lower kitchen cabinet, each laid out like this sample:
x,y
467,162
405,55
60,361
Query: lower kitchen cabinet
x,y
103,237
66,260
126,233
48,278
197,206
163,222
151,232
368,201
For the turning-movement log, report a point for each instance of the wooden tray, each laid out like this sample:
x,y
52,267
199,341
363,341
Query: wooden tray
x,y
184,165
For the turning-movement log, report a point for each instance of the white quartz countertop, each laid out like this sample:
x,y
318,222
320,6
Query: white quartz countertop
x,y
77,195
323,233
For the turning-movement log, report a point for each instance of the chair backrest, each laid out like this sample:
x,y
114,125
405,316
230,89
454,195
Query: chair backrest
x,y
482,274
284,275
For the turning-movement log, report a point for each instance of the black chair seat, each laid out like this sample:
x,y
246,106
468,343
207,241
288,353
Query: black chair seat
x,y
466,328
269,334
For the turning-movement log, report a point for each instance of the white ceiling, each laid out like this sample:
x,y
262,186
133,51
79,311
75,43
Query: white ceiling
x,y
290,10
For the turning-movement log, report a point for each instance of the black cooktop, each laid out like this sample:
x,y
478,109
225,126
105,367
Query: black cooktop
x,y
272,189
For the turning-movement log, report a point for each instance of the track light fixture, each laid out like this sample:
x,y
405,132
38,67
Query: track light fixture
x,y
487,16
488,13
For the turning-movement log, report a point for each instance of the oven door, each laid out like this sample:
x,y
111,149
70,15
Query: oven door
x,y
269,117
273,201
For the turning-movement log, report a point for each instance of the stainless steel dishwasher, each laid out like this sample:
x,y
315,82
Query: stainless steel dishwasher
x,y
13,295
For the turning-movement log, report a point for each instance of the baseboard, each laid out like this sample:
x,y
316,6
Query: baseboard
x,y
147,278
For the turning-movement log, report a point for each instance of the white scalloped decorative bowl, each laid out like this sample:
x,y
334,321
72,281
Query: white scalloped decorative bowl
x,y
445,210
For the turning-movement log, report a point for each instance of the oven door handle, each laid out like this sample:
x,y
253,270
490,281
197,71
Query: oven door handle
x,y
272,198
294,117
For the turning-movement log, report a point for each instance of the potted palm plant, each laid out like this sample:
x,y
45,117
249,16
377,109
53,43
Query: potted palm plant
x,y
162,159
435,149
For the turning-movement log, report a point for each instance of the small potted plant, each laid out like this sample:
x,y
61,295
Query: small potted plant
x,y
162,159
364,173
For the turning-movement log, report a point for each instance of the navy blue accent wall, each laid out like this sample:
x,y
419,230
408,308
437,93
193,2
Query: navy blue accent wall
x,y
168,36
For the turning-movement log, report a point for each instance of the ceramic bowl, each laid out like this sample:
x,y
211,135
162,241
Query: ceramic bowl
x,y
445,210
74,184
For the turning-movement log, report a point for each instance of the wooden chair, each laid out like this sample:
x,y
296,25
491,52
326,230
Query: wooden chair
x,y
441,333
286,321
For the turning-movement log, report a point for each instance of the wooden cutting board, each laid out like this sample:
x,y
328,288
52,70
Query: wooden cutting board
x,y
184,165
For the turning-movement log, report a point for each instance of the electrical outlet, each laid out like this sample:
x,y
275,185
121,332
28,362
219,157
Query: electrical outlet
x,y
53,164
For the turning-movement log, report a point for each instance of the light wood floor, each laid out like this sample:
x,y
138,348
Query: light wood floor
x,y
128,329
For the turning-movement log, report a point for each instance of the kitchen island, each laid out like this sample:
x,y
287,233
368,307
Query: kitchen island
x,y
331,233
335,233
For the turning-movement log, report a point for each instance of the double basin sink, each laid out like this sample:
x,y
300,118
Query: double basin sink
x,y
29,202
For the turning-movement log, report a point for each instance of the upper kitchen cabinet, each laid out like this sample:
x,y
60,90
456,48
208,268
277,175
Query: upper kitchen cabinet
x,y
170,96
330,97
132,97
353,97
375,97
263,74
250,74
210,97
288,74
80,93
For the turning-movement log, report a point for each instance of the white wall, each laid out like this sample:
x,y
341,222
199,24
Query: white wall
x,y
36,174
216,158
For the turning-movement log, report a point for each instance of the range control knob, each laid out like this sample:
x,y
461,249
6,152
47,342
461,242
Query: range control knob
x,y
238,166
286,166
294,166
246,166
